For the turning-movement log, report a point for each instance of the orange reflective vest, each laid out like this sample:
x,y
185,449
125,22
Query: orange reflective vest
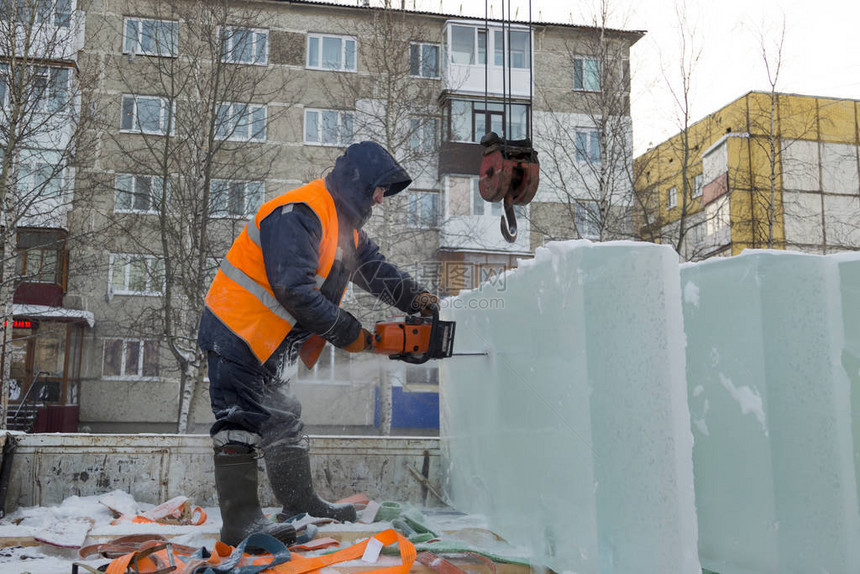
x,y
241,296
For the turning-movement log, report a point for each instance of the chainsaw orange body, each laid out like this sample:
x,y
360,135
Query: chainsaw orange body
x,y
414,339
411,339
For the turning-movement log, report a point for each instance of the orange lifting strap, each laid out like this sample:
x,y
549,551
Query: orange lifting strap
x,y
160,557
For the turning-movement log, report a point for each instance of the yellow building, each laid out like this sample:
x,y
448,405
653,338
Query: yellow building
x,y
763,172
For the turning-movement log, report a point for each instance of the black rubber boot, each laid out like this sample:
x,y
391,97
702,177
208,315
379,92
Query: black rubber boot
x,y
289,470
236,483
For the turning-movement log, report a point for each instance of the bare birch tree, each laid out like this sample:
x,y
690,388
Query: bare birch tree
x,y
587,158
42,134
191,158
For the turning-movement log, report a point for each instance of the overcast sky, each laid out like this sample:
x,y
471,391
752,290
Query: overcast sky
x,y
821,50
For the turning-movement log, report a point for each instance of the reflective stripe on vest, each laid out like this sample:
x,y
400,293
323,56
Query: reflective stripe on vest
x,y
241,296
254,288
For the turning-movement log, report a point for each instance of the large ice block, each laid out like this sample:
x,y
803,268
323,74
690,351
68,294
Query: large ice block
x,y
573,434
849,280
769,403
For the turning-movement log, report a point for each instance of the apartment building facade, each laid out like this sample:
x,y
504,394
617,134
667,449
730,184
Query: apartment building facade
x,y
206,112
766,171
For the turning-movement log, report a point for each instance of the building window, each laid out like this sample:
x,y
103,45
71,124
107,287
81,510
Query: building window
x,y
4,87
718,215
422,375
39,179
424,60
145,114
586,74
132,274
246,46
481,207
587,146
50,88
235,199
464,45
697,185
518,49
423,134
469,47
587,219
471,119
150,37
58,12
130,358
328,127
672,198
422,209
331,52
241,122
39,265
138,193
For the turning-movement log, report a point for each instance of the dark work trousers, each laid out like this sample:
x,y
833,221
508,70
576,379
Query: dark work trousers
x,y
255,398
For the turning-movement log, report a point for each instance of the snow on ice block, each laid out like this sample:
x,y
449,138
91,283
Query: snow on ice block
x,y
769,403
573,434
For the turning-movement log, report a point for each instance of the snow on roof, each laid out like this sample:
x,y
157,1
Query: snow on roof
x,y
57,313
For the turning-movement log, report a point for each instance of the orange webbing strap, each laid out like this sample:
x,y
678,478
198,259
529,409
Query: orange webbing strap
x,y
154,557
301,565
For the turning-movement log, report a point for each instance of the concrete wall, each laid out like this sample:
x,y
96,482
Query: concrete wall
x,y
48,468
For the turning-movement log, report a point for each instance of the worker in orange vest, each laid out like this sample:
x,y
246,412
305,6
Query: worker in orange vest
x,y
280,283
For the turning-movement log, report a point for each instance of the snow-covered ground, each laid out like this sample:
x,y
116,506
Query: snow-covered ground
x,y
65,525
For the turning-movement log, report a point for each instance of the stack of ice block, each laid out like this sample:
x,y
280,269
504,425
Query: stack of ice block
x,y
770,408
573,434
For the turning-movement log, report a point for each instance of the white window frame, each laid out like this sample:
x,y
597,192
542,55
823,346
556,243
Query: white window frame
x,y
126,260
250,207
672,198
420,59
256,33
415,206
124,375
319,65
697,185
165,51
583,62
152,195
162,118
343,139
235,131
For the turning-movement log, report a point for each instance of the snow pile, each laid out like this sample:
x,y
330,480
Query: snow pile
x,y
573,434
59,531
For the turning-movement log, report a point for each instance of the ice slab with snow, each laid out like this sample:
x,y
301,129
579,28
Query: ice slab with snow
x,y
573,434
770,408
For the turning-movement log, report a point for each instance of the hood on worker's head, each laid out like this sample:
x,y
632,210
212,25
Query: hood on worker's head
x,y
357,173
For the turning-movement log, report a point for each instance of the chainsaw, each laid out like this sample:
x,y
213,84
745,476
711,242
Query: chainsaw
x,y
412,339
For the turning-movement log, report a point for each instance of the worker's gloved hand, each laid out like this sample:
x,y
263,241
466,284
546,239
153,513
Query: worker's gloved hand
x,y
426,303
364,342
